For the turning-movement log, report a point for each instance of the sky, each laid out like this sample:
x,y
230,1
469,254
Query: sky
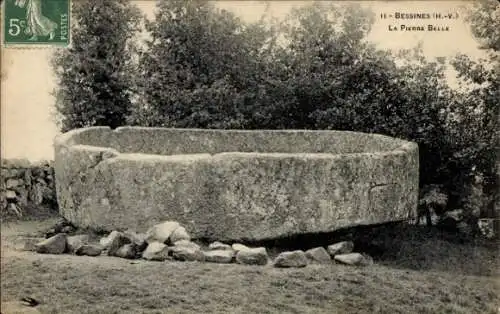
x,y
27,127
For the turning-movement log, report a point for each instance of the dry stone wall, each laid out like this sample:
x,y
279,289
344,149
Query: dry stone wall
x,y
24,184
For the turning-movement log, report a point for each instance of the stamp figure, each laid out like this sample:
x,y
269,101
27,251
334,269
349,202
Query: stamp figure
x,y
43,22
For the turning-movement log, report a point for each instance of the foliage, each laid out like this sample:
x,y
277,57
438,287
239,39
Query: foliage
x,y
476,111
431,194
94,75
485,23
201,67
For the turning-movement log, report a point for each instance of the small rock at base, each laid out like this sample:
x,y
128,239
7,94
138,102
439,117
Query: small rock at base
x,y
253,256
68,229
156,251
105,242
343,247
126,251
53,245
118,242
161,232
184,253
179,234
219,246
239,247
89,250
319,255
219,256
74,242
138,239
291,259
355,259
187,243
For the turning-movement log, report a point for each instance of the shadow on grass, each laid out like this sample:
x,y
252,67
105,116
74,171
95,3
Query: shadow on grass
x,y
405,246
398,245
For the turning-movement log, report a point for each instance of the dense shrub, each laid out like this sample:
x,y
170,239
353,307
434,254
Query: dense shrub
x,y
95,75
475,130
200,67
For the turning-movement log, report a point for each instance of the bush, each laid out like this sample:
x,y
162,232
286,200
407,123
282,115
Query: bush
x,y
95,75
200,68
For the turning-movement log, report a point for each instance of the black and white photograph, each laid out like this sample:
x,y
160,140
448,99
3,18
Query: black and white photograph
x,y
195,156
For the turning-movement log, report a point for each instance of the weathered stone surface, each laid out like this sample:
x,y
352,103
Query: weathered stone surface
x,y
117,243
36,194
269,187
161,232
22,197
219,246
319,255
187,243
74,242
61,226
343,247
15,163
291,259
253,256
105,242
13,208
126,251
68,229
10,195
138,239
52,245
179,234
156,251
185,253
219,256
89,250
18,190
13,183
11,173
239,247
355,259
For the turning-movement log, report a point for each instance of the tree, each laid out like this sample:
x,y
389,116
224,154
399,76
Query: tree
x,y
95,74
485,23
477,108
200,68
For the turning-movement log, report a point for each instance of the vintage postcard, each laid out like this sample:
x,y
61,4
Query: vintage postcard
x,y
250,156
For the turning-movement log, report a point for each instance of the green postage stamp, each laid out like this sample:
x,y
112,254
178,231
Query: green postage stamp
x,y
38,22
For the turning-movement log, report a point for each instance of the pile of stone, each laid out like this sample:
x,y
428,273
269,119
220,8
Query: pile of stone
x,y
341,252
170,241
24,183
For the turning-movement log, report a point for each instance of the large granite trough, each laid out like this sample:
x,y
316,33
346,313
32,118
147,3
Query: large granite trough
x,y
232,184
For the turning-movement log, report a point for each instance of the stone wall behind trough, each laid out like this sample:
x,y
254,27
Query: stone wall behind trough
x,y
25,185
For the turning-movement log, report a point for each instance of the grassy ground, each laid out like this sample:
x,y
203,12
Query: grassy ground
x,y
415,272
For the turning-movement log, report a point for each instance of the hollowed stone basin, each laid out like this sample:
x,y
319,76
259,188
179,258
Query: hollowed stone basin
x,y
232,184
